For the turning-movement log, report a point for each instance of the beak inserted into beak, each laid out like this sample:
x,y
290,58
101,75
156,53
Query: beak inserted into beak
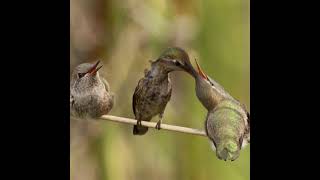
x,y
201,73
93,70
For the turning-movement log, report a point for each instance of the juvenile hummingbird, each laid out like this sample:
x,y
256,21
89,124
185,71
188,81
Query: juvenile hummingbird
x,y
228,122
154,90
90,94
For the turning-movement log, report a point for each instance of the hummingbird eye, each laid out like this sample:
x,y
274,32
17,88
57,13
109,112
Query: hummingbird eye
x,y
80,75
177,63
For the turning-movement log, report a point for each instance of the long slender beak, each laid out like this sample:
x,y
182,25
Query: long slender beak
x,y
201,73
96,70
93,70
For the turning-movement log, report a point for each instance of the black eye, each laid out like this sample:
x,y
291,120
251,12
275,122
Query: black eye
x,y
177,63
80,75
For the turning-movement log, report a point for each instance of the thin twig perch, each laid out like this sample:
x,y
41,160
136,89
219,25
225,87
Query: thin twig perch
x,y
153,125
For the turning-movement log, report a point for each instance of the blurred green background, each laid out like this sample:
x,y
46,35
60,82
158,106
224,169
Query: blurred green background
x,y
125,34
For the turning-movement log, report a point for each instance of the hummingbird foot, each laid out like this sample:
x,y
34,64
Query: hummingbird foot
x,y
139,123
159,122
158,125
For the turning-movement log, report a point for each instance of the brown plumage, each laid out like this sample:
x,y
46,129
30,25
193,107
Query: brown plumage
x,y
150,99
153,91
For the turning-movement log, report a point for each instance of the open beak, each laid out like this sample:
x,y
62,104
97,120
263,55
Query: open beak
x,y
201,73
93,70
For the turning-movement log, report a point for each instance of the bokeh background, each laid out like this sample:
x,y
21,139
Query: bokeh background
x,y
124,35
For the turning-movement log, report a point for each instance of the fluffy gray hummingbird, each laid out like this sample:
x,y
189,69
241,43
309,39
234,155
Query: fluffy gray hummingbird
x,y
154,90
90,95
228,122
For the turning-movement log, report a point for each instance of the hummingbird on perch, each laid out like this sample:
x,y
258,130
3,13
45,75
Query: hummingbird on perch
x,y
90,94
153,91
228,122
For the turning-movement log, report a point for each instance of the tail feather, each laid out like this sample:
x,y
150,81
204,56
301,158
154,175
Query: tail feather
x,y
139,130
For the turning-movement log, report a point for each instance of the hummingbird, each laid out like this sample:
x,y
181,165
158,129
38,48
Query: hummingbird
x,y
228,122
153,91
90,94
228,128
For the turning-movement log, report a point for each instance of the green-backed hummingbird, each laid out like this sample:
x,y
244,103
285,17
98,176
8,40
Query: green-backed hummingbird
x,y
228,122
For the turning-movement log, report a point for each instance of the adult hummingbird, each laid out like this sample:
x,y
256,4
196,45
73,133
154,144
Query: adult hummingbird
x,y
228,122
153,91
90,94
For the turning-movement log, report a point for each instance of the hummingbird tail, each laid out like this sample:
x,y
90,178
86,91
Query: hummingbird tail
x,y
139,130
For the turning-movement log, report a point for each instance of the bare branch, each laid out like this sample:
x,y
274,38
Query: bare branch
x,y
153,125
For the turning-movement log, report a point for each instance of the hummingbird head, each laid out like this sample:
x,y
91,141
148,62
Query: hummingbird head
x,y
85,74
205,91
228,150
176,59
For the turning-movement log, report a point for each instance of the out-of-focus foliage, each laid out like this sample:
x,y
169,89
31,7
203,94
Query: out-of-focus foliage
x,y
125,34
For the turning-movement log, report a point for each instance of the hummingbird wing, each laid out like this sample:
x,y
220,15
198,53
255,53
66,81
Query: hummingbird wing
x,y
106,84
248,117
248,128
71,99
136,95
166,98
71,103
209,132
249,120
246,136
